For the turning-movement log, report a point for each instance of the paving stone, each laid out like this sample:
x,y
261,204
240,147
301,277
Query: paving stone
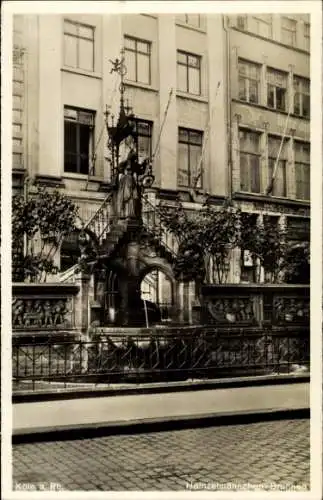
x,y
255,454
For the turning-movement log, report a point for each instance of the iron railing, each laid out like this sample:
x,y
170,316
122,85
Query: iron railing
x,y
100,221
153,222
167,354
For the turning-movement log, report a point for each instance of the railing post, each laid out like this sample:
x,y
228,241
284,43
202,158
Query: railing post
x,y
186,297
82,305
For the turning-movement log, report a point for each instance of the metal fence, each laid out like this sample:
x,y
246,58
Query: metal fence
x,y
171,354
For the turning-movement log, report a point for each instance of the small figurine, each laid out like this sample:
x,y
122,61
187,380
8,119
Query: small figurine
x,y
28,313
18,312
59,312
48,316
39,313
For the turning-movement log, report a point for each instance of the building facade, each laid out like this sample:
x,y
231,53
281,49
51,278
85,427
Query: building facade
x,y
213,96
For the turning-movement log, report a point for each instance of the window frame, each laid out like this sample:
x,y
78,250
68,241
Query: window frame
x,y
150,124
77,152
247,78
190,171
307,36
187,66
302,92
285,29
282,163
305,166
78,38
186,19
277,86
241,26
250,154
135,51
261,21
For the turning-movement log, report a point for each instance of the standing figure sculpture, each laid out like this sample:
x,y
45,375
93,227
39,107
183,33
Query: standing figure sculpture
x,y
128,196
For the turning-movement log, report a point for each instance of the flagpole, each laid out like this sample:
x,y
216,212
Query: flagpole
x,y
205,139
271,183
162,125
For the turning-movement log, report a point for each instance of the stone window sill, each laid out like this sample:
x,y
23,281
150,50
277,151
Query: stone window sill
x,y
82,177
191,97
76,71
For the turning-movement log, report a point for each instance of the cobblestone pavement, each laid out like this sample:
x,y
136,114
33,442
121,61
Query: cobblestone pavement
x,y
266,455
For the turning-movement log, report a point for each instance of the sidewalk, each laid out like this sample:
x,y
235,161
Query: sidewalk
x,y
59,418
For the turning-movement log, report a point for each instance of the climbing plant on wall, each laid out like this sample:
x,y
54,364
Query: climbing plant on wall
x,y
39,224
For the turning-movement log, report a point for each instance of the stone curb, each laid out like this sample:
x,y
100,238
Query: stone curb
x,y
158,388
100,429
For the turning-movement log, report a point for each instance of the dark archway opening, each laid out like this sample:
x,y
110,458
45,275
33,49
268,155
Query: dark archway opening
x,y
157,295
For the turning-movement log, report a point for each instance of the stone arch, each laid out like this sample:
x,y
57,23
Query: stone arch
x,y
163,291
160,265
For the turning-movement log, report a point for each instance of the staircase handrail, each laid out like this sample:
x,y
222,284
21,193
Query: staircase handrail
x,y
162,227
103,204
65,275
68,273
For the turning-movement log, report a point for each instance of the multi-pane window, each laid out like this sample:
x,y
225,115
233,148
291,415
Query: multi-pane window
x,y
137,60
17,106
249,161
307,36
274,148
249,79
276,89
78,46
262,25
144,139
190,19
189,156
78,138
302,170
288,31
188,73
242,22
301,96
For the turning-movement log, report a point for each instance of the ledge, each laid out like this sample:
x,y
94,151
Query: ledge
x,y
81,72
271,199
168,194
192,97
255,287
185,196
191,27
49,180
29,289
81,177
141,86
18,177
152,15
272,110
19,171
